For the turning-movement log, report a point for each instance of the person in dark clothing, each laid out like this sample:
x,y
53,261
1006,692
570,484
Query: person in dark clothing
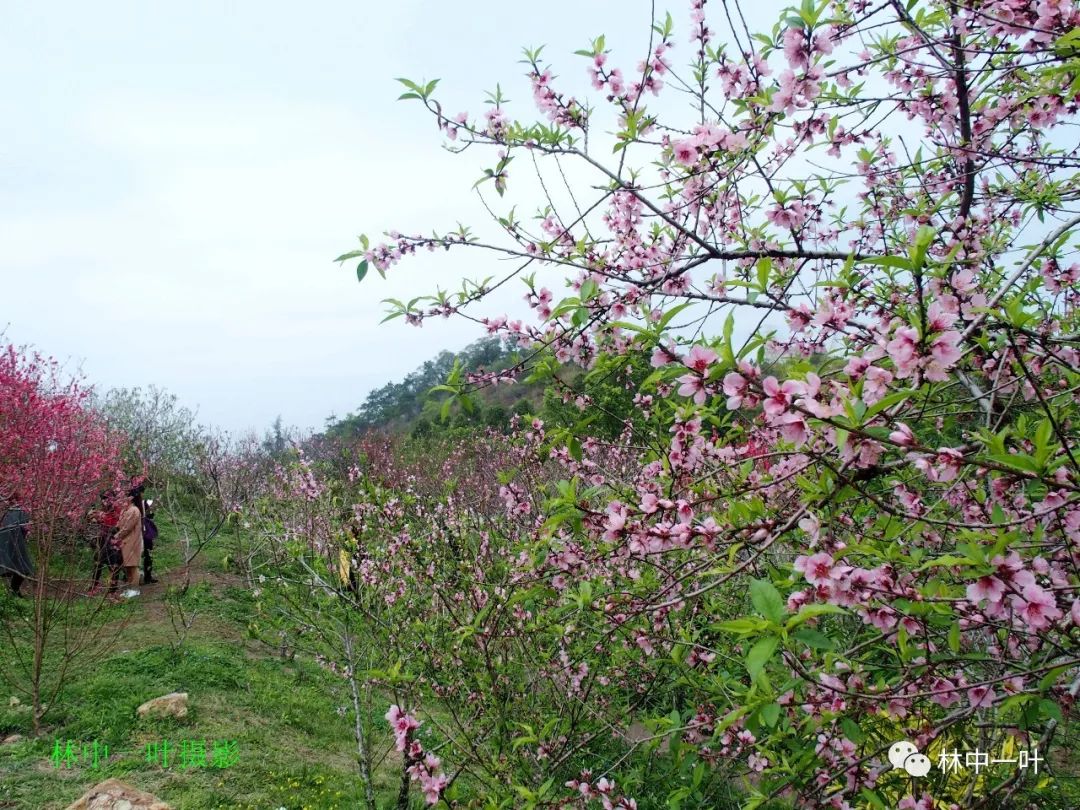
x,y
105,554
15,559
150,532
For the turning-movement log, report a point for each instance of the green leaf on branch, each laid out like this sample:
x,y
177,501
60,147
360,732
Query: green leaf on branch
x,y
767,600
852,730
1050,710
947,561
740,627
899,262
1016,461
770,714
887,402
422,92
923,237
760,654
764,270
667,317
815,639
1052,677
726,352
1068,45
807,612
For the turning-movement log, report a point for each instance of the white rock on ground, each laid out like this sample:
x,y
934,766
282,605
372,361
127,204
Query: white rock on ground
x,y
171,705
113,794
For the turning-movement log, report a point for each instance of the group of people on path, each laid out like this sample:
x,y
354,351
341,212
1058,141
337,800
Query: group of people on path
x,y
125,533
122,532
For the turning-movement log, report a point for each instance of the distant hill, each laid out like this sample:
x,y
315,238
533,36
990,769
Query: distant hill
x,y
409,406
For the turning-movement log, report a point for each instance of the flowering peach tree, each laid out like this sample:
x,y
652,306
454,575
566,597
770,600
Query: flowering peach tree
x,y
385,570
846,511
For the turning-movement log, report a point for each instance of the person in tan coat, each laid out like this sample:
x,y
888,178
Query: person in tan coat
x,y
130,539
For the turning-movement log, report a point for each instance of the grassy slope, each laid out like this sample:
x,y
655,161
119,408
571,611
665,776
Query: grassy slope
x,y
295,751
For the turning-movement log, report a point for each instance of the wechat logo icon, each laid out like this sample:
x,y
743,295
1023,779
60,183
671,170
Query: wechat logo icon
x,y
905,755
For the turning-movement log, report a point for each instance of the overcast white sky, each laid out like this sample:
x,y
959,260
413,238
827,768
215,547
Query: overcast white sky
x,y
176,178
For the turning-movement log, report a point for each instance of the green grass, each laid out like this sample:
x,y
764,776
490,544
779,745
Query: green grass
x,y
294,749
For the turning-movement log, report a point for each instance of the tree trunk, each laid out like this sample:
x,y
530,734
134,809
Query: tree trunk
x,y
40,633
403,791
363,755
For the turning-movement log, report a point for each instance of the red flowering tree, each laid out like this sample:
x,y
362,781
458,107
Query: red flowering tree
x,y
55,452
853,517
56,456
